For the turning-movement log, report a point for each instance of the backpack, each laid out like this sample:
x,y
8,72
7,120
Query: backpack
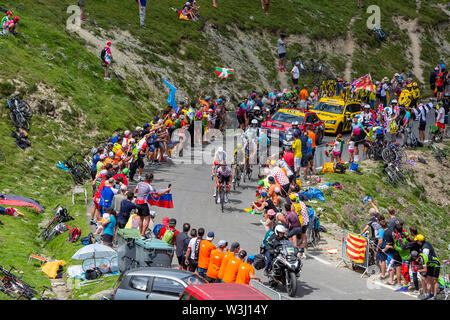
x,y
157,229
93,273
88,240
74,234
103,54
168,235
339,168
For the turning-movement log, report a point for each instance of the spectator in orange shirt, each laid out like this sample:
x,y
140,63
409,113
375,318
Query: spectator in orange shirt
x,y
215,261
246,271
303,96
234,249
204,102
206,246
274,187
232,269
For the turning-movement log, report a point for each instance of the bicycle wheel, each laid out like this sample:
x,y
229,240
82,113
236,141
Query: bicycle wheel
x,y
401,156
25,109
400,177
388,155
391,175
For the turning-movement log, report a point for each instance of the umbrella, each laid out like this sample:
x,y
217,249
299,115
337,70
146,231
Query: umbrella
x,y
94,251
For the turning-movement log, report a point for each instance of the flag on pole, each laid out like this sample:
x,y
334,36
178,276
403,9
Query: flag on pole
x,y
363,83
164,201
223,73
171,98
356,248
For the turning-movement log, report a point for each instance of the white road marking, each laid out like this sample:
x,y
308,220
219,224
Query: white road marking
x,y
318,259
392,288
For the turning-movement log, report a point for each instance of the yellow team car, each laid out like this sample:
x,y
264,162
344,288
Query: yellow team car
x,y
336,113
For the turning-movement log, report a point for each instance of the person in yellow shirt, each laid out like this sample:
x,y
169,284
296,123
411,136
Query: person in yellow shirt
x,y
297,148
246,271
215,261
206,246
234,249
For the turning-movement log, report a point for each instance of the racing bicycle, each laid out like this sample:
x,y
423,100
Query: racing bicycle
x,y
437,152
61,216
393,152
237,176
436,134
394,173
14,287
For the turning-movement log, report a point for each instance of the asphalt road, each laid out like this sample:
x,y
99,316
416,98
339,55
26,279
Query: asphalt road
x,y
192,190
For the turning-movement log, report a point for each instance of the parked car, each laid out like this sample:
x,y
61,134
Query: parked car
x,y
282,121
155,284
222,291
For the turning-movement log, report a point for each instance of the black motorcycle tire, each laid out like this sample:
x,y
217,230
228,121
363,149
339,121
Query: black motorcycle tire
x,y
291,284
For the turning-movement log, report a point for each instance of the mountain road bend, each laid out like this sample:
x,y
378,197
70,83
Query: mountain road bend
x,y
192,189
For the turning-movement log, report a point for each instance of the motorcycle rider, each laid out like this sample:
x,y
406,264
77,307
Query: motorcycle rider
x,y
272,245
257,115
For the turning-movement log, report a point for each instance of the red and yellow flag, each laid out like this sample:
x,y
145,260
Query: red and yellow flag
x,y
356,247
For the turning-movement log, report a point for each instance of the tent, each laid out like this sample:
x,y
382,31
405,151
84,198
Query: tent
x,y
19,201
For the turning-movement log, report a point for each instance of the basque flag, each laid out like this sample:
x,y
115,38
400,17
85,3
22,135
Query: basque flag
x,y
164,201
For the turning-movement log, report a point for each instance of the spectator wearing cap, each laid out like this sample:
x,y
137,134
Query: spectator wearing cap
x,y
234,249
119,197
107,59
270,220
142,9
206,246
232,266
5,19
181,243
215,261
246,271
171,226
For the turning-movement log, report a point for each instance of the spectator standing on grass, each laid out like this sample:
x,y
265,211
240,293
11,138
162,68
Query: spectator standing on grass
x,y
180,243
265,6
206,246
82,4
7,17
381,256
107,59
295,72
282,43
142,9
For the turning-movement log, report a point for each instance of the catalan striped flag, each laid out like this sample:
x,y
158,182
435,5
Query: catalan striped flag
x,y
356,247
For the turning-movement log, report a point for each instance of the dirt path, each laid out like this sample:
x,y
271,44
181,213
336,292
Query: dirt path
x,y
349,48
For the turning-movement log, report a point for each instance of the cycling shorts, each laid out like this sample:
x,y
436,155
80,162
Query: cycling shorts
x,y
223,179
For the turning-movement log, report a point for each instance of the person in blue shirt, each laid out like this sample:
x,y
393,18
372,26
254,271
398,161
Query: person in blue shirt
x,y
381,256
106,196
95,159
109,227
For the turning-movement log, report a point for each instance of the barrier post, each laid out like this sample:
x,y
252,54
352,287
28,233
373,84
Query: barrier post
x,y
345,258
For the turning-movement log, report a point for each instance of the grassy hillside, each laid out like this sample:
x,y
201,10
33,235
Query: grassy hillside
x,y
59,74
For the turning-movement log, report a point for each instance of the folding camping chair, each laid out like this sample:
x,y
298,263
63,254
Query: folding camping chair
x,y
78,190
38,258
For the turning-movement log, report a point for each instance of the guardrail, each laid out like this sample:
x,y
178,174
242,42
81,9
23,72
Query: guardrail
x,y
271,293
346,259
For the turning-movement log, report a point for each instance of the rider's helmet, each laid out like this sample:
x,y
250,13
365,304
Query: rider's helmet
x,y
280,229
220,150
295,123
394,101
254,121
256,108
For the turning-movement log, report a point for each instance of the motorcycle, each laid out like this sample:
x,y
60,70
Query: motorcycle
x,y
285,267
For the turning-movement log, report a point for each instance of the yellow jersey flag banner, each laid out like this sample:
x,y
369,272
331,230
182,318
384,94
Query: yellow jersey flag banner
x,y
356,247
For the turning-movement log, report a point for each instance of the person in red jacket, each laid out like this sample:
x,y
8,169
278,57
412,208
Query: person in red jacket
x,y
170,226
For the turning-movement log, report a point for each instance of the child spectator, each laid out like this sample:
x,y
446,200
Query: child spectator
x,y
337,149
351,148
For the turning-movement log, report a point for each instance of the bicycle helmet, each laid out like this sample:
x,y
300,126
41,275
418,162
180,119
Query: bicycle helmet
x,y
280,228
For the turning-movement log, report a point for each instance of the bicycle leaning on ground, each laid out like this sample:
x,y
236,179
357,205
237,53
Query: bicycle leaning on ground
x,y
14,287
20,112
